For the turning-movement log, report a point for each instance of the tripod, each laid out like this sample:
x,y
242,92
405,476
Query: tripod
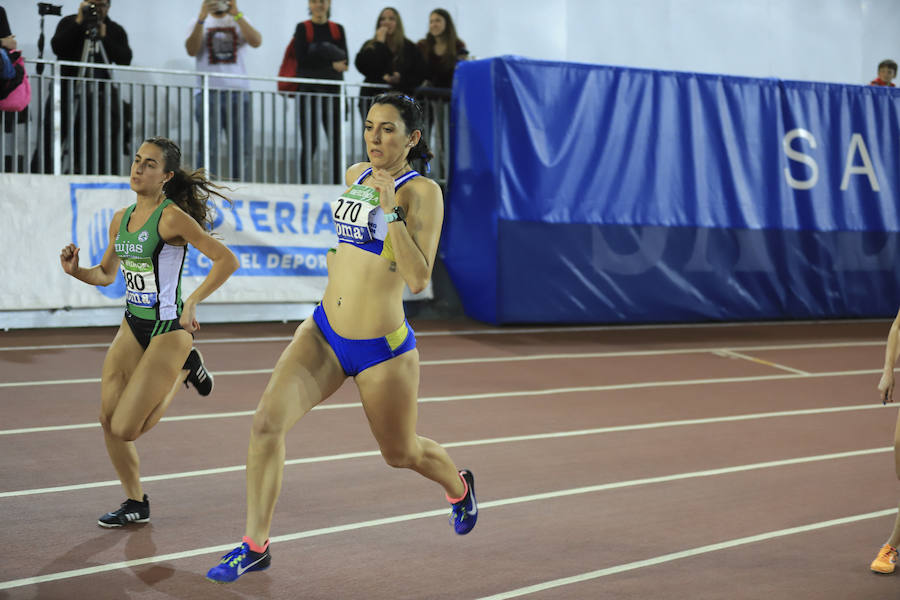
x,y
40,45
92,48
92,51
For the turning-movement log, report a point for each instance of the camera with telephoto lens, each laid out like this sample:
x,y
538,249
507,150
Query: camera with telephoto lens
x,y
45,8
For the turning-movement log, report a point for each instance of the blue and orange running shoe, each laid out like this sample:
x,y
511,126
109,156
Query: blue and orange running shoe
x,y
237,562
464,514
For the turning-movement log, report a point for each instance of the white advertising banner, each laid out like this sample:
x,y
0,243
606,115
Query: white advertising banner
x,y
280,234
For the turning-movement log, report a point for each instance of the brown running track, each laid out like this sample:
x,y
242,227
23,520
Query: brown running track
x,y
721,461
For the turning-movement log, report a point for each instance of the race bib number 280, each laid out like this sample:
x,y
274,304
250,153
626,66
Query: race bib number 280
x,y
140,282
353,214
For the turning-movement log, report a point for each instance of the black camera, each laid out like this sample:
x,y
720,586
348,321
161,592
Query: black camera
x,y
91,21
91,18
45,8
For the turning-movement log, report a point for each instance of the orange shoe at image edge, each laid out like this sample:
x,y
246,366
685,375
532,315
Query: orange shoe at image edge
x,y
886,560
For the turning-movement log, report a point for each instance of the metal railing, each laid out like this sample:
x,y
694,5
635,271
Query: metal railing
x,y
86,126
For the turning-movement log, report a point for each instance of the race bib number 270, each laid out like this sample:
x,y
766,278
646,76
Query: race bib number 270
x,y
353,214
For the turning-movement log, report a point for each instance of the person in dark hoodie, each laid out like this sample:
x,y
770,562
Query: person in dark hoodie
x,y
8,56
7,45
320,47
91,36
389,58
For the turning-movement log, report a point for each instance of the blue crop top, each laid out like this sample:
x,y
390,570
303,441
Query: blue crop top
x,y
359,218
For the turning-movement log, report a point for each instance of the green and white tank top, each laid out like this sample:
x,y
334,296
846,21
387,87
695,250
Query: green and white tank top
x,y
152,268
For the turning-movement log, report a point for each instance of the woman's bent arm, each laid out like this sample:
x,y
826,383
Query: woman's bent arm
x,y
103,273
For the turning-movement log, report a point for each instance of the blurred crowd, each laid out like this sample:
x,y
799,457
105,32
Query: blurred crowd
x,y
218,40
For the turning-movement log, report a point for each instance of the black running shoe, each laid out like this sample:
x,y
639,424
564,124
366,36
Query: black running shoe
x,y
198,376
131,511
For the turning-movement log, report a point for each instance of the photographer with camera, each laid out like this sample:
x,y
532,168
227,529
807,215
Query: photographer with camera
x,y
218,39
89,36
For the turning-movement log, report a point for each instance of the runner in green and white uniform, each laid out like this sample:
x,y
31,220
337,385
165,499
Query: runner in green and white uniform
x,y
152,270
152,353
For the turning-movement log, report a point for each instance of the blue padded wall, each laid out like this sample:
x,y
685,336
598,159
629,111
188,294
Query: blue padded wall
x,y
594,194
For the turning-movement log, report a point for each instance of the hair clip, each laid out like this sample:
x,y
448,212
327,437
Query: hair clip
x,y
411,100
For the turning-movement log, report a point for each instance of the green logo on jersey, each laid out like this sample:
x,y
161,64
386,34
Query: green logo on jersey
x,y
363,193
138,265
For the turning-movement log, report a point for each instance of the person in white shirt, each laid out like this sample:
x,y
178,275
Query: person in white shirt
x,y
218,40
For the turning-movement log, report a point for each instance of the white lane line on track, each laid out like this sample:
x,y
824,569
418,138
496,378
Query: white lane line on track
x,y
482,442
657,560
460,332
761,361
488,395
20,384
499,359
491,504
285,339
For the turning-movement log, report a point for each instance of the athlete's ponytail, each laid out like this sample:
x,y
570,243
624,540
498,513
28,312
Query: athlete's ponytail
x,y
189,190
421,152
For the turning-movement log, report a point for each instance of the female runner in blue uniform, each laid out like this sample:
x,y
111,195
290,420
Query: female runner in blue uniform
x,y
143,366
388,225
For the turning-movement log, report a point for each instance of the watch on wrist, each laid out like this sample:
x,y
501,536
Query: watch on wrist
x,y
398,214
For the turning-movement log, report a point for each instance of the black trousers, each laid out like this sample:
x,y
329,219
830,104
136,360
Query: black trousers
x,y
93,111
312,111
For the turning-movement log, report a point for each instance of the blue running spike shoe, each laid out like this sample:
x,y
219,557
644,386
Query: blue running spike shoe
x,y
464,513
237,562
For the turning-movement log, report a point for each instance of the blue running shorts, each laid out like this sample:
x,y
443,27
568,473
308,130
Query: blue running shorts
x,y
356,356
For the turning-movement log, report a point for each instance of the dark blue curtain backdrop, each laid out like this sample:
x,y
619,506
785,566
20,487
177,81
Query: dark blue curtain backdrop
x,y
584,194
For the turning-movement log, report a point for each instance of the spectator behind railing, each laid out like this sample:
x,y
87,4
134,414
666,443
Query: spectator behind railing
x,y
219,39
7,45
89,36
887,70
321,50
389,58
15,90
7,39
15,94
441,49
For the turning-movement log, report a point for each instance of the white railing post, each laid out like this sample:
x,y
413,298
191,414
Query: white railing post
x,y
205,120
57,119
341,133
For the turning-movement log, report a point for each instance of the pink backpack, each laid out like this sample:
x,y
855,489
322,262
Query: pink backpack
x,y
19,98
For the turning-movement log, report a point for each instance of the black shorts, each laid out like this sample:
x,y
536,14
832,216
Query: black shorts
x,y
144,329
